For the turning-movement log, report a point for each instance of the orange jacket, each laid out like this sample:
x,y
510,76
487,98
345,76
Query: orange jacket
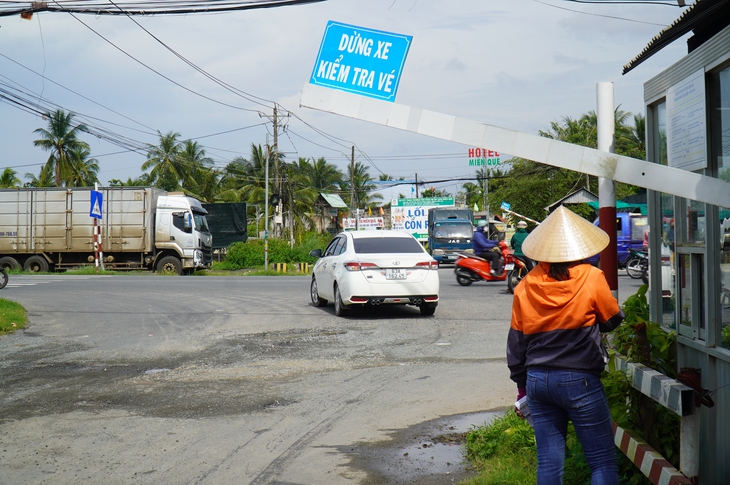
x,y
556,324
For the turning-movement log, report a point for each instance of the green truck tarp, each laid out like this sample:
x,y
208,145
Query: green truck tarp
x,y
227,222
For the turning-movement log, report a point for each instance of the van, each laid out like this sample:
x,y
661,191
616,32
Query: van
x,y
630,229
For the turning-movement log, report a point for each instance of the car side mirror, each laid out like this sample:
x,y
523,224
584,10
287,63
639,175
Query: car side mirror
x,y
315,253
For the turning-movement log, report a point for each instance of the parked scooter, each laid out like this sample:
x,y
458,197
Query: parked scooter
x,y
470,268
637,265
3,278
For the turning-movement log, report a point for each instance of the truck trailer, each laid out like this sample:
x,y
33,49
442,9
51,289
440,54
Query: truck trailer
x,y
51,229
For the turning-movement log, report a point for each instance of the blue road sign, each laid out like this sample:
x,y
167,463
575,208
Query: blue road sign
x,y
360,60
505,206
97,200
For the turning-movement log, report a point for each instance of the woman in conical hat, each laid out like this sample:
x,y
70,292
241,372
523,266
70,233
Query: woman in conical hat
x,y
554,347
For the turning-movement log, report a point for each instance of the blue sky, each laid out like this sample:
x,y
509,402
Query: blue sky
x,y
518,64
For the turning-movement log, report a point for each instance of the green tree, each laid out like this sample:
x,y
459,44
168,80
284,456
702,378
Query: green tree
x,y
168,171
324,176
9,179
433,192
83,170
61,139
141,181
44,179
201,179
363,185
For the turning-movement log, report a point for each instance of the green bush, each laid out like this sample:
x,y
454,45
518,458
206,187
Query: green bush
x,y
251,253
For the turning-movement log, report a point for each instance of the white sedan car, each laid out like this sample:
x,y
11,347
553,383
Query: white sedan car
x,y
375,268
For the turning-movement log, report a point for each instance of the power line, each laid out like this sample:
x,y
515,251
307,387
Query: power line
x,y
27,9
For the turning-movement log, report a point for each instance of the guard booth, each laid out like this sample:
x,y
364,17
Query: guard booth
x,y
688,127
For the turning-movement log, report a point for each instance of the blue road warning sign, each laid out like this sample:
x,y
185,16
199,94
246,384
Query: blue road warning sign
x,y
97,200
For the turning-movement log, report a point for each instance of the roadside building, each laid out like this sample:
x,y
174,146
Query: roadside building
x,y
688,126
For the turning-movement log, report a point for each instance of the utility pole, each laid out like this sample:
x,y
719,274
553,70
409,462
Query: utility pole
x,y
277,175
485,191
266,210
274,152
352,187
416,185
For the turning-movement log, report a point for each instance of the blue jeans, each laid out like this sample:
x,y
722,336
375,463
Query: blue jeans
x,y
556,396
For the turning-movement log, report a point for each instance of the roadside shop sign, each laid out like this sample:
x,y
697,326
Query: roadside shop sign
x,y
363,224
360,60
411,214
481,157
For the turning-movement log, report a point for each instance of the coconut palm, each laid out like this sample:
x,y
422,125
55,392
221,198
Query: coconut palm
x,y
83,170
363,185
167,169
44,179
9,179
324,176
199,180
61,139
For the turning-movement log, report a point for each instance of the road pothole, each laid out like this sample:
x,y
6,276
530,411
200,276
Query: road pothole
x,y
428,453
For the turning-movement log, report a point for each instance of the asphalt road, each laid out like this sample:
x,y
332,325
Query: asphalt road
x,y
216,380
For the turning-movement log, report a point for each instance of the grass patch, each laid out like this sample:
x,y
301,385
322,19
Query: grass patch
x,y
93,270
505,453
12,316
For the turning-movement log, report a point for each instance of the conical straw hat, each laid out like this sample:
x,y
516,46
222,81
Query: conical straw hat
x,y
564,236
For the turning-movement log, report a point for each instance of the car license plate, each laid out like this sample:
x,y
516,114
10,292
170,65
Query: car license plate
x,y
395,274
509,266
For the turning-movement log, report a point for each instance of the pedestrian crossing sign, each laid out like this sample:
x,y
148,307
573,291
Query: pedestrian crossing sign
x,y
97,199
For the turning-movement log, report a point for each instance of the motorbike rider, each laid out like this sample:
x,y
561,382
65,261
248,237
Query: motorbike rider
x,y
485,248
516,244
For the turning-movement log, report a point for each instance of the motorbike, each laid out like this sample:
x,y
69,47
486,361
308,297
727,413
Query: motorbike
x,y
470,268
3,278
637,265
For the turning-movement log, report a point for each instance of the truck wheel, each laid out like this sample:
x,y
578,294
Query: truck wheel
x,y
35,264
9,263
169,264
3,278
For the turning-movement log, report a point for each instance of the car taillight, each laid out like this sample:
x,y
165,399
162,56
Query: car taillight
x,y
428,265
358,266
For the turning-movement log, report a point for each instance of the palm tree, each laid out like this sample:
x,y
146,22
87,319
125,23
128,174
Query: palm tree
x,y
9,179
472,194
363,185
44,179
200,179
168,170
141,181
324,176
83,170
61,139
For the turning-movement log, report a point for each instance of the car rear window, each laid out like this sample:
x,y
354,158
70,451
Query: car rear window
x,y
377,245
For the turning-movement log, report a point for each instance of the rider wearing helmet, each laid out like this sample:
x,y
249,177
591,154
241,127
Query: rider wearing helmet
x,y
483,247
516,243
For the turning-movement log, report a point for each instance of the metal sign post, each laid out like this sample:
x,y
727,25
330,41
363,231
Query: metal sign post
x,y
97,202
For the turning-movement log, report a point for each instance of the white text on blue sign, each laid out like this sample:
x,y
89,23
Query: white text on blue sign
x,y
360,60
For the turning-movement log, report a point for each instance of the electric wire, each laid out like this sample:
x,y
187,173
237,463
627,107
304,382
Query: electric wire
x,y
162,7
